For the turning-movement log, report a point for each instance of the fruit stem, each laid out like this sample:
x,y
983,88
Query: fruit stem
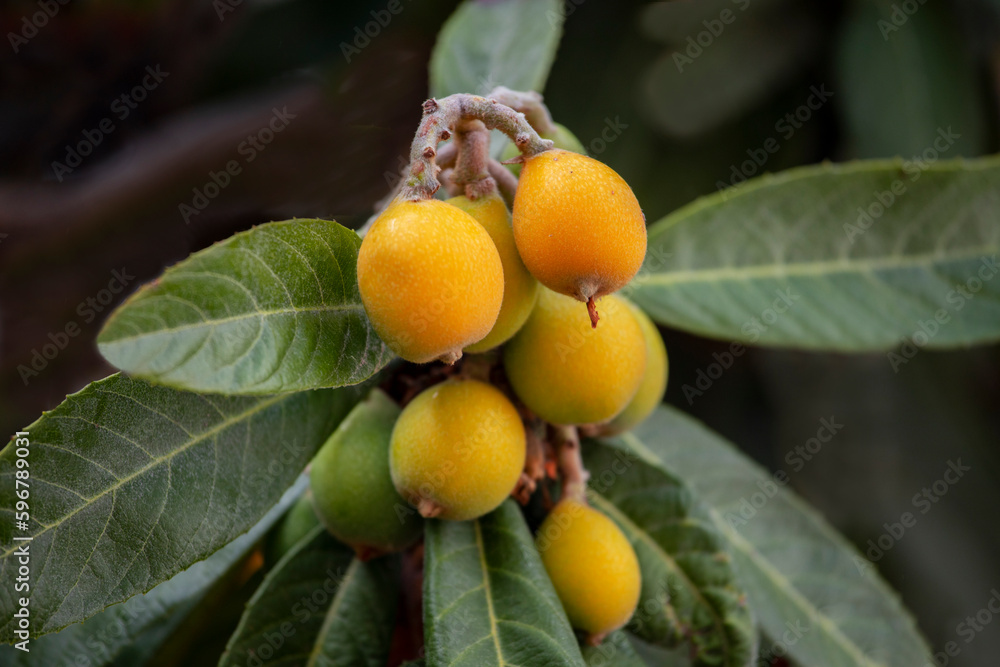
x,y
592,311
471,166
506,181
567,443
530,104
534,459
442,117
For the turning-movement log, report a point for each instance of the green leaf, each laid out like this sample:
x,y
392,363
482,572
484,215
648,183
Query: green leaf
x,y
689,590
273,309
320,606
614,651
657,656
899,83
149,618
487,597
804,581
686,97
783,260
132,483
486,44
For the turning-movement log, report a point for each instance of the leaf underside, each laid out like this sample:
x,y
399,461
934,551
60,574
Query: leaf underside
x,y
783,260
502,43
690,594
800,576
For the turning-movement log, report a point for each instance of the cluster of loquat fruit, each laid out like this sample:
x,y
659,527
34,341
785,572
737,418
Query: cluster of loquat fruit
x,y
440,279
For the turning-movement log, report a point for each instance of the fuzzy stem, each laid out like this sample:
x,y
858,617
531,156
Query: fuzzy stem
x,y
441,117
592,311
506,181
567,442
447,178
471,166
530,104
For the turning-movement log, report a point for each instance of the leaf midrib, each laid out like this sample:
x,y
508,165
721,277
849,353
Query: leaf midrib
x,y
332,613
738,541
816,171
833,631
818,268
488,591
221,426
609,508
257,314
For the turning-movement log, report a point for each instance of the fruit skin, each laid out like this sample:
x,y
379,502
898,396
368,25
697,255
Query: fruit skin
x,y
654,380
568,373
352,491
561,137
592,567
578,227
458,450
296,524
520,289
431,279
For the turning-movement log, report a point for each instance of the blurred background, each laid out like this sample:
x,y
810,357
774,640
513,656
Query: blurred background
x,y
134,133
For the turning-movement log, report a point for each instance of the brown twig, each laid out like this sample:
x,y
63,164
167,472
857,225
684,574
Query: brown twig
x,y
529,103
506,181
442,117
566,441
471,170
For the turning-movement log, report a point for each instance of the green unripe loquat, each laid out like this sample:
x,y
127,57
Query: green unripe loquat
x,y
352,489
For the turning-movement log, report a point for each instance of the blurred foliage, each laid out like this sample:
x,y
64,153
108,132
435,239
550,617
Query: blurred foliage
x,y
674,135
